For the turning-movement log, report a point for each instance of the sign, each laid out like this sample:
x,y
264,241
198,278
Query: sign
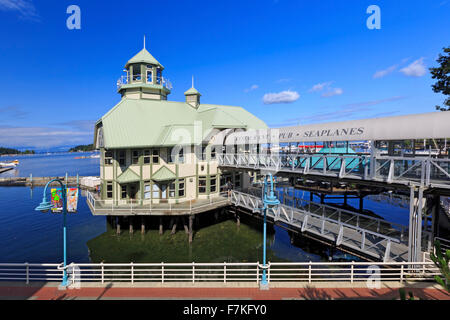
x,y
57,200
72,200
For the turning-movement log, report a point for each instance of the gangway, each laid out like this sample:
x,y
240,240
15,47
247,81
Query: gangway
x,y
353,232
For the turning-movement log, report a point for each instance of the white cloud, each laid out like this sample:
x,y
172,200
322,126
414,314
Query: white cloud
x,y
253,87
333,92
286,96
320,86
42,137
25,8
415,69
385,72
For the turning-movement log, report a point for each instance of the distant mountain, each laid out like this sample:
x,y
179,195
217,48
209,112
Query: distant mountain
x,y
83,147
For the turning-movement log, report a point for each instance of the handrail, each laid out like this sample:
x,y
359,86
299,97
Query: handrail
x,y
221,272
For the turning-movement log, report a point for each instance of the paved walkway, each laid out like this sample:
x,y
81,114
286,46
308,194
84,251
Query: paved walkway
x,y
50,291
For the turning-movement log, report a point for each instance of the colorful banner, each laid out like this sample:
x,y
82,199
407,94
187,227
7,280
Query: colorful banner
x,y
72,199
56,200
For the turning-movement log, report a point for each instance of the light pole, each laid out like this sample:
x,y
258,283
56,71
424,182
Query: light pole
x,y
45,206
269,201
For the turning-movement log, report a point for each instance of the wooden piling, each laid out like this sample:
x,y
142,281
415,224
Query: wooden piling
x,y
118,225
131,225
161,229
191,218
186,229
174,226
142,225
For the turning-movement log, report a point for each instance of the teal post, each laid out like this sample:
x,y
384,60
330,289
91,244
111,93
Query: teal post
x,y
44,206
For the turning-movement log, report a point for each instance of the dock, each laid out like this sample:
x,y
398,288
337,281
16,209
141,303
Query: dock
x,y
80,181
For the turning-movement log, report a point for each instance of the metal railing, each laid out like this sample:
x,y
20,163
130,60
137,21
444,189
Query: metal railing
x,y
104,207
277,272
425,171
344,228
123,80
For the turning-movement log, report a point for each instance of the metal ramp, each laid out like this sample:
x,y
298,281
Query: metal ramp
x,y
358,233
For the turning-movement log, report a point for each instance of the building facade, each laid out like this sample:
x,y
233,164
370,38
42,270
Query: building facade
x,y
156,151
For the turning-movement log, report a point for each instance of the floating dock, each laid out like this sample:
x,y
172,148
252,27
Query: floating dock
x,y
82,182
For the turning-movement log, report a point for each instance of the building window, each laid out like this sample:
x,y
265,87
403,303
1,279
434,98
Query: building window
x,y
155,156
149,74
213,153
146,156
108,157
123,192
122,155
109,190
155,191
213,183
135,158
181,156
172,190
147,190
181,183
137,72
201,184
158,76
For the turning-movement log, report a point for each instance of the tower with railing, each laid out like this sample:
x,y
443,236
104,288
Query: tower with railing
x,y
143,78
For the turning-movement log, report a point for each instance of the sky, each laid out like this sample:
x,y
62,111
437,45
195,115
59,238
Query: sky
x,y
287,62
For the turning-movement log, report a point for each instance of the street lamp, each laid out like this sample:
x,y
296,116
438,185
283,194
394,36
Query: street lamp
x,y
269,201
45,206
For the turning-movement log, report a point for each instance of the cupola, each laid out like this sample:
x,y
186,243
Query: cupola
x,y
144,78
192,96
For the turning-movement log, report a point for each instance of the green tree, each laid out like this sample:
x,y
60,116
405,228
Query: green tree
x,y
441,260
442,75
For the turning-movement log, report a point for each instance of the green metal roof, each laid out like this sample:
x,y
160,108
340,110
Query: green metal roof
x,y
192,91
143,123
163,174
144,56
128,176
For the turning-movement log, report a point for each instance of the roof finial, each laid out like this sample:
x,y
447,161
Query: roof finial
x,y
144,41
192,81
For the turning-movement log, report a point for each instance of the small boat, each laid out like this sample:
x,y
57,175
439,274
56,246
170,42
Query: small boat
x,y
9,164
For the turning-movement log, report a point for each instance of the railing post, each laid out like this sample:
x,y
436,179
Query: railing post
x,y
193,272
309,272
103,272
132,273
224,272
401,273
257,272
351,272
27,268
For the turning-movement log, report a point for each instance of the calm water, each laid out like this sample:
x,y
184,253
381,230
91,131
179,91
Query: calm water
x,y
27,235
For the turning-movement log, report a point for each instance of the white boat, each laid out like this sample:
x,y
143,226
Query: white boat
x,y
9,164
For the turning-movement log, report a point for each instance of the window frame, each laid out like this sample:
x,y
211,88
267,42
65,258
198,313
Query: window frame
x,y
147,156
183,189
108,158
108,192
155,153
205,179
213,178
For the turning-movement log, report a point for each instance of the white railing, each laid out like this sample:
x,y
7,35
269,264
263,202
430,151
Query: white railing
x,y
105,207
425,171
123,80
277,272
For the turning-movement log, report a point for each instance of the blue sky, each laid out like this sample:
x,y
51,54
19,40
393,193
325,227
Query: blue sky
x,y
288,62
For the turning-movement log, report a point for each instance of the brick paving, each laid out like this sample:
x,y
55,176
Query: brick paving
x,y
51,292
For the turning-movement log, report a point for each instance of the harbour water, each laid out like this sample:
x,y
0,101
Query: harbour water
x,y
27,235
